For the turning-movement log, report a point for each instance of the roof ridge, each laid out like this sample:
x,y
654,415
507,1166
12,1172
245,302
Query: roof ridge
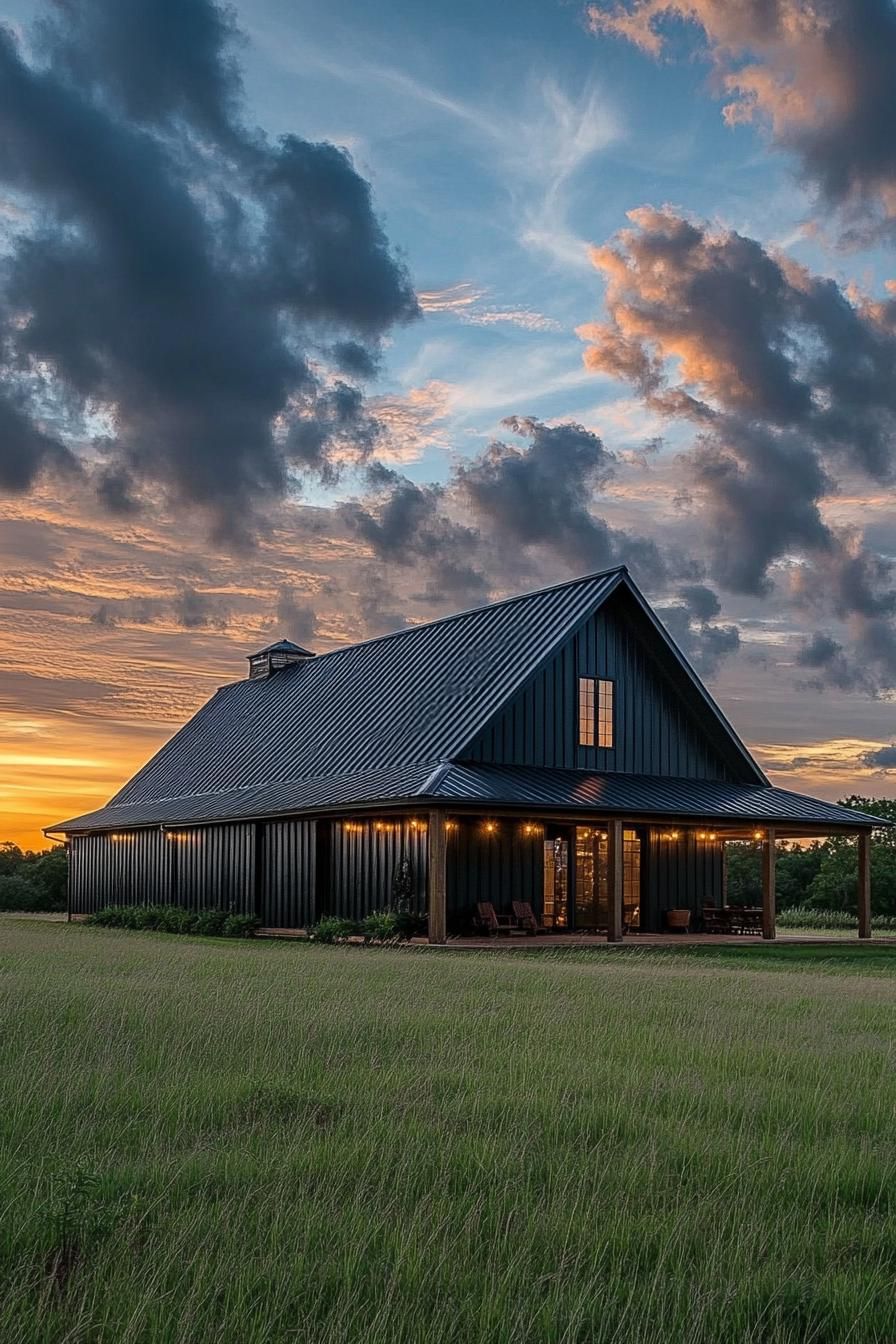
x,y
471,611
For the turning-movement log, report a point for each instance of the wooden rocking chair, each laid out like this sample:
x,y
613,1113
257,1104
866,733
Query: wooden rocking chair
x,y
526,918
490,922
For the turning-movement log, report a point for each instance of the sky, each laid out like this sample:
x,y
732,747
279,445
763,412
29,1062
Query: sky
x,y
318,320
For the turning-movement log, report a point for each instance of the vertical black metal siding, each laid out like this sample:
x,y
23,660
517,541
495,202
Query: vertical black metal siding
x,y
654,733
288,869
500,867
683,874
131,869
363,863
215,867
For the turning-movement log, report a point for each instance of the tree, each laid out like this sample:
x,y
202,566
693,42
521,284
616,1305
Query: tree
x,y
835,885
49,873
10,857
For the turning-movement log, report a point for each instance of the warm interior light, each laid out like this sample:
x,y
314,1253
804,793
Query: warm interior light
x,y
676,834
491,827
450,825
712,835
757,835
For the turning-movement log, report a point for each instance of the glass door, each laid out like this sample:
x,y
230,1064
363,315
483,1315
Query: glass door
x,y
555,909
592,901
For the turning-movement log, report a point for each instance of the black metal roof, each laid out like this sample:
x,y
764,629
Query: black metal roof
x,y
487,787
408,698
322,730
638,796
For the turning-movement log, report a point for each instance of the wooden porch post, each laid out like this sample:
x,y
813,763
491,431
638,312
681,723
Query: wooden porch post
x,y
435,877
768,884
864,857
724,874
615,880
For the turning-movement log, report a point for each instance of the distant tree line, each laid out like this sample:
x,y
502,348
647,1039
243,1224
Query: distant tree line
x,y
32,880
824,874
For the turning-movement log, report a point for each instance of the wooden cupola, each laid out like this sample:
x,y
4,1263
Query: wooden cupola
x,y
270,660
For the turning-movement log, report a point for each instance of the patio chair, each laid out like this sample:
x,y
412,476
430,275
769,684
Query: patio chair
x,y
490,922
526,918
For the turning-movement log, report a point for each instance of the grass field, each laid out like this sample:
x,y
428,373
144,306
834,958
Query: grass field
x,y
208,1141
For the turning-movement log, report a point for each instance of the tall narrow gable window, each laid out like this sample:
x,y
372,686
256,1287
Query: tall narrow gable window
x,y
604,714
586,711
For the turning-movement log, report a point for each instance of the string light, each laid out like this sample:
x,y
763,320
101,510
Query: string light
x,y
757,835
490,827
530,828
450,825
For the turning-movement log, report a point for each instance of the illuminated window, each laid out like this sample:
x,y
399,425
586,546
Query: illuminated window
x,y
586,711
604,714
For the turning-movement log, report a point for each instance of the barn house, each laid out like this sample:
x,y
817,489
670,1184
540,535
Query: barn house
x,y
554,748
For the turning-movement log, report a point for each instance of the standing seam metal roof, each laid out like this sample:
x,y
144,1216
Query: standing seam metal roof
x,y
486,787
415,696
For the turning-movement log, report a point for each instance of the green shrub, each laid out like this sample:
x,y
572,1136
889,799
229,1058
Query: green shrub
x,y
330,928
175,919
408,924
210,922
381,925
240,926
109,917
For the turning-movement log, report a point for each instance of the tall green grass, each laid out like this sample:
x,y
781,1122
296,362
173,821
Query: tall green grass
x,y
247,1142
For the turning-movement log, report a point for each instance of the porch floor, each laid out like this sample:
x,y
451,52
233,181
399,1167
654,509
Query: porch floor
x,y
513,942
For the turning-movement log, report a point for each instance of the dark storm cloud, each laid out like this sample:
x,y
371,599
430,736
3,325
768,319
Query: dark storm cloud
x,y
690,623
295,619
26,450
541,492
702,603
515,511
820,75
409,525
177,272
828,660
189,607
195,610
788,382
883,758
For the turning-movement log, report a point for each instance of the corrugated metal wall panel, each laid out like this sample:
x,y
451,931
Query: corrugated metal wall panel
x,y
654,731
288,872
364,858
683,874
500,866
214,867
130,869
